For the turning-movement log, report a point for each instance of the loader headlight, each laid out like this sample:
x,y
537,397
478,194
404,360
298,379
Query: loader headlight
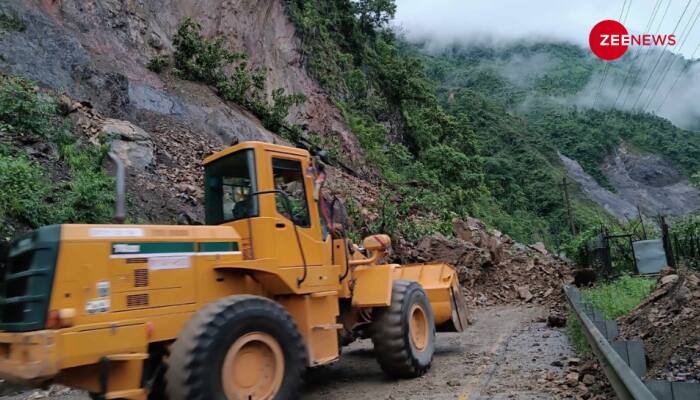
x,y
63,318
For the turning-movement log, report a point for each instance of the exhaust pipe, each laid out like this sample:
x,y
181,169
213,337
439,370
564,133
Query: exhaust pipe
x,y
119,212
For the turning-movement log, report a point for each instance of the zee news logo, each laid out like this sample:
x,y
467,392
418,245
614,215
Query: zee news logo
x,y
609,40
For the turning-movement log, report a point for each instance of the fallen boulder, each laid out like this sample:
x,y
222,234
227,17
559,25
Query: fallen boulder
x,y
129,142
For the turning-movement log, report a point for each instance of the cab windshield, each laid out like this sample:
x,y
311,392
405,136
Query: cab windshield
x,y
229,187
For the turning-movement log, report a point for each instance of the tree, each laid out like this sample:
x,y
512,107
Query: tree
x,y
374,14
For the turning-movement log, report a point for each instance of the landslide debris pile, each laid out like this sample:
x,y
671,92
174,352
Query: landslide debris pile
x,y
493,267
668,322
163,159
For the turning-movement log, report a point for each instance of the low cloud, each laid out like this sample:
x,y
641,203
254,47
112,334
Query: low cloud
x,y
441,23
488,22
669,91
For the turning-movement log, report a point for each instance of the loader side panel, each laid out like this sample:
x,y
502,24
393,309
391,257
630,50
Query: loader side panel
x,y
316,318
373,285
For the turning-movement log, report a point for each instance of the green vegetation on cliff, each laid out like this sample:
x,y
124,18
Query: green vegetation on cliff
x,y
207,60
425,155
47,174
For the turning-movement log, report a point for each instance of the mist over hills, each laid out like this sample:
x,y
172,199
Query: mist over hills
x,y
556,92
520,74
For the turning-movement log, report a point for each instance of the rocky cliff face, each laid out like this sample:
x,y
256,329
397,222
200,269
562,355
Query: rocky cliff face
x,y
651,182
96,53
644,180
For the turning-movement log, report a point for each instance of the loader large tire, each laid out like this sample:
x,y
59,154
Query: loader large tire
x,y
404,333
238,348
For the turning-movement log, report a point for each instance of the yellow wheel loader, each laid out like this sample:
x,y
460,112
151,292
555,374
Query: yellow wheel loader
x,y
235,309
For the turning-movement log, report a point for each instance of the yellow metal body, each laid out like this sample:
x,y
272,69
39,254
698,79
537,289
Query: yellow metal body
x,y
121,288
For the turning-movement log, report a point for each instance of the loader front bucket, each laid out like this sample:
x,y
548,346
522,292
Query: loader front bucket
x,y
441,284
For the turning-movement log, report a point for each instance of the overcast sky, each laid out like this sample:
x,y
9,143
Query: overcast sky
x,y
506,20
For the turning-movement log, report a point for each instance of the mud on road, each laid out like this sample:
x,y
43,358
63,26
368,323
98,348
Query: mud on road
x,y
505,354
501,356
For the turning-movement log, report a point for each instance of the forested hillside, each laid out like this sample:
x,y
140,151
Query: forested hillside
x,y
476,129
553,86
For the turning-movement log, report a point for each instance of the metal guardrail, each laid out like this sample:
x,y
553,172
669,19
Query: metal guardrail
x,y
624,381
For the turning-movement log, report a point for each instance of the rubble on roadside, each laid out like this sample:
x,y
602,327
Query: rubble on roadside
x,y
668,322
163,157
493,268
581,379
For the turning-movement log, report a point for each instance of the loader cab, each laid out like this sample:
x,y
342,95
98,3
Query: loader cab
x,y
266,192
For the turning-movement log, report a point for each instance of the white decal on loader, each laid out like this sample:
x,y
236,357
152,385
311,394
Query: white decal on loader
x,y
161,263
97,306
126,248
116,232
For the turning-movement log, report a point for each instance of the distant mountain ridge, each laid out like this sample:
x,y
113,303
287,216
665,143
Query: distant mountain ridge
x,y
555,90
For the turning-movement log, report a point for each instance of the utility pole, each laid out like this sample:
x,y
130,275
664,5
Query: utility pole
x,y
641,222
565,189
666,240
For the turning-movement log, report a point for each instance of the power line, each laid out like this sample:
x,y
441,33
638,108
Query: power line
x,y
678,78
669,65
628,12
600,86
654,13
658,28
647,54
651,74
629,70
607,65
623,10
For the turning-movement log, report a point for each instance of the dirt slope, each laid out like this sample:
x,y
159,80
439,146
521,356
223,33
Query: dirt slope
x,y
668,322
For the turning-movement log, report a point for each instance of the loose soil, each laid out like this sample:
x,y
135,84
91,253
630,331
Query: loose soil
x,y
668,322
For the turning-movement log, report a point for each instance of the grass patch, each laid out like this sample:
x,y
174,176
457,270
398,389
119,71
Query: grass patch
x,y
31,196
575,332
619,297
158,63
9,21
613,299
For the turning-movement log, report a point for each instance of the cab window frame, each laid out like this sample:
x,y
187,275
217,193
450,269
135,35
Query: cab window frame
x,y
214,200
291,218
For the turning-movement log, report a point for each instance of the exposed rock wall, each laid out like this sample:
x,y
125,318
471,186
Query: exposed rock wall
x,y
97,51
651,182
647,180
611,202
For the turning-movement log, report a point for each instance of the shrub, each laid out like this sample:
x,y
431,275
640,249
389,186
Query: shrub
x,y
29,195
24,190
158,64
90,193
206,60
274,119
10,21
24,109
198,58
